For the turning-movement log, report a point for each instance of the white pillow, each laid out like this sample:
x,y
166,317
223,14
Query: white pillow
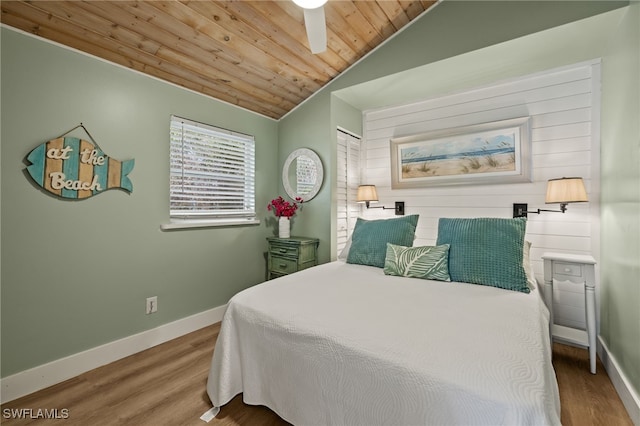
x,y
528,267
345,251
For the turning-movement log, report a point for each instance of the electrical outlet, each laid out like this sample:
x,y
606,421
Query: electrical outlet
x,y
152,305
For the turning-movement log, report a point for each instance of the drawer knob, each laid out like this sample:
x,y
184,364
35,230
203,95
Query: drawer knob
x,y
283,265
283,250
567,269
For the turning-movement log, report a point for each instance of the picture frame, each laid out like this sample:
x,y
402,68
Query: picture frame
x,y
497,152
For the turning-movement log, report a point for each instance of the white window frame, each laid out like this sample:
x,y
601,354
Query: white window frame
x,y
233,203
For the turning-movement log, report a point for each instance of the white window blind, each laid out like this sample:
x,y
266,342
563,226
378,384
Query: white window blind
x,y
212,172
348,179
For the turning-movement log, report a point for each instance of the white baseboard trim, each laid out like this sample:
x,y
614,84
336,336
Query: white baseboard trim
x,y
43,376
627,393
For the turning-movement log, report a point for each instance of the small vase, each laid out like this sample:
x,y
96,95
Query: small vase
x,y
284,227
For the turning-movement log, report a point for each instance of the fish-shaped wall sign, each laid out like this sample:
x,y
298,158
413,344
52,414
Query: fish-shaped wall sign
x,y
75,168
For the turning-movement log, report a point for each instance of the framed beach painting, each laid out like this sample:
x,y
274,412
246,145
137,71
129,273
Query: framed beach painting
x,y
487,153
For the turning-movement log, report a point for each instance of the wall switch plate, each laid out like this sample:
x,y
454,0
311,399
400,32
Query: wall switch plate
x,y
399,208
152,305
520,210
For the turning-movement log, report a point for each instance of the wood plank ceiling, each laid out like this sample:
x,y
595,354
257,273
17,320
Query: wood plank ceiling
x,y
253,54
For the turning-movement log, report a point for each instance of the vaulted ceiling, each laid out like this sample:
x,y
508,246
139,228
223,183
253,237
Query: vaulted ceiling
x,y
253,54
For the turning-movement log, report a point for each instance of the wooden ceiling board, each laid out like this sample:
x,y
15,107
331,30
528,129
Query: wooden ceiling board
x,y
253,54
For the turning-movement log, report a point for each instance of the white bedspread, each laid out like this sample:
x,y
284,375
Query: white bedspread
x,y
342,344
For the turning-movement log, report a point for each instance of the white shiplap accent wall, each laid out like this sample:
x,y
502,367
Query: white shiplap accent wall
x,y
564,107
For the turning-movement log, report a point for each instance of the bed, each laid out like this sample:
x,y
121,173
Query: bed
x,y
350,343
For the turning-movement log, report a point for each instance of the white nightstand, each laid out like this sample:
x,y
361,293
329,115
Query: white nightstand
x,y
579,269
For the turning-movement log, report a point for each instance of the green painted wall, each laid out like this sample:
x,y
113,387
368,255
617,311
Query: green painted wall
x,y
75,274
456,27
314,218
620,203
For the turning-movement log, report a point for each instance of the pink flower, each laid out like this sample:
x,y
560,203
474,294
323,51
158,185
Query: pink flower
x,y
284,208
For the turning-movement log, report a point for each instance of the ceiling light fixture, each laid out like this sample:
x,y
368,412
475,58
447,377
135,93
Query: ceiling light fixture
x,y
315,23
310,4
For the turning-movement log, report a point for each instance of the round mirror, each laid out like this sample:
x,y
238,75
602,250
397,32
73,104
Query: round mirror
x,y
302,174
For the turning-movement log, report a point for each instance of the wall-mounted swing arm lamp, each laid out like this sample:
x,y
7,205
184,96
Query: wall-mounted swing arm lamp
x,y
561,190
367,194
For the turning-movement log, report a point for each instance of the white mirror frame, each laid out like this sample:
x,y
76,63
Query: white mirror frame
x,y
285,174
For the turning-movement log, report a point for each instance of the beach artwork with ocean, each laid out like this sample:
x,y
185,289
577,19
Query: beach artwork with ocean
x,y
487,152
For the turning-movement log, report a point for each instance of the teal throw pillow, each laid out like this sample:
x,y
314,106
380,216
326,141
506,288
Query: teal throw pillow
x,y
370,237
427,262
487,251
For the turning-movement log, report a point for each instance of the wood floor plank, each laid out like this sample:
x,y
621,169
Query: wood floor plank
x,y
585,398
166,385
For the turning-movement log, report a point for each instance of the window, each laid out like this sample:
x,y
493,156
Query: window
x,y
348,179
212,173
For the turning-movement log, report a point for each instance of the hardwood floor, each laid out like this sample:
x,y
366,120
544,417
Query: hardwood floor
x,y
165,385
585,398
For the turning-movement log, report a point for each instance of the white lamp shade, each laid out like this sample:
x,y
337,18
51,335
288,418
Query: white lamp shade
x,y
367,193
566,190
310,4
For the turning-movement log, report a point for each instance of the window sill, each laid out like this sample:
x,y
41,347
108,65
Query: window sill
x,y
188,224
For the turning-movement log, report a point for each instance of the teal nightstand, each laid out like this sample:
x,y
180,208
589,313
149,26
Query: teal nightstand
x,y
289,255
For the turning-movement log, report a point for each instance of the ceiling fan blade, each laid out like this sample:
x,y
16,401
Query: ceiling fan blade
x,y
315,23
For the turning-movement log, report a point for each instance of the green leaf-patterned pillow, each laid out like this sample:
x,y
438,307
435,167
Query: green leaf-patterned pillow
x,y
427,262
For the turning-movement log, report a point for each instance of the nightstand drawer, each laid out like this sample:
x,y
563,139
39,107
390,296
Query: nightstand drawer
x,y
284,250
283,265
571,269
